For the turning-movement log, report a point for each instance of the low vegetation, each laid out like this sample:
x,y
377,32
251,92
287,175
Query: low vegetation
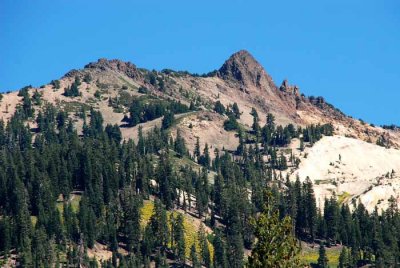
x,y
73,90
143,110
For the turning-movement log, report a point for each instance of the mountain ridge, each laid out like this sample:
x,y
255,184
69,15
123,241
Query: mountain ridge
x,y
240,79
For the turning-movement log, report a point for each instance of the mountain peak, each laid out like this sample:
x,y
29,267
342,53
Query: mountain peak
x,y
244,54
244,68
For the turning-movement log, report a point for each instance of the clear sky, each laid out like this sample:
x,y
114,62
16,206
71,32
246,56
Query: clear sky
x,y
346,51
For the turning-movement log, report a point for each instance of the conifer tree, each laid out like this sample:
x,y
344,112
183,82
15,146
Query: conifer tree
x,y
256,119
159,225
219,251
179,239
322,258
131,219
310,208
166,181
344,258
5,236
193,257
197,152
205,159
167,120
219,107
276,246
179,144
235,110
204,250
73,90
231,123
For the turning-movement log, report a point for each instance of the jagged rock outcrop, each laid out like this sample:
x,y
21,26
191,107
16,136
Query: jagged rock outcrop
x,y
243,72
128,68
72,73
243,68
292,89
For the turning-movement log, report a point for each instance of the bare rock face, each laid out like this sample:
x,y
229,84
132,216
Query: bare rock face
x,y
72,73
129,69
292,89
243,72
243,68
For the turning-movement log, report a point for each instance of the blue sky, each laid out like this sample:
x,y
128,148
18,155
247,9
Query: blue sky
x,y
346,51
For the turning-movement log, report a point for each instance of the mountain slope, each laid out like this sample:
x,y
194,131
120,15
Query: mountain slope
x,y
241,79
110,86
353,170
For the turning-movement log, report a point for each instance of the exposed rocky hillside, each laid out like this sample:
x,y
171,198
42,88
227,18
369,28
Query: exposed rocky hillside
x,y
110,86
353,170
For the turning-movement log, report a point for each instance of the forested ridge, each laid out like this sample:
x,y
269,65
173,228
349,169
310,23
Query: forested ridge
x,y
255,216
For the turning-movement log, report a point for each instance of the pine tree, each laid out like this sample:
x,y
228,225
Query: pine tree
x,y
55,84
276,246
197,152
218,193
87,222
37,98
256,119
205,159
201,192
159,225
310,208
241,147
167,120
73,90
114,133
27,109
40,252
166,181
205,251
179,238
179,144
193,257
322,258
282,164
219,251
234,248
160,260
235,110
344,258
331,216
301,145
219,107
5,236
270,122
131,219
231,123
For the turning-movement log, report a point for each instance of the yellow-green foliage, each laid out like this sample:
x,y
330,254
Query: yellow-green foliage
x,y
33,220
60,207
191,229
343,197
178,162
74,200
182,161
311,255
146,211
